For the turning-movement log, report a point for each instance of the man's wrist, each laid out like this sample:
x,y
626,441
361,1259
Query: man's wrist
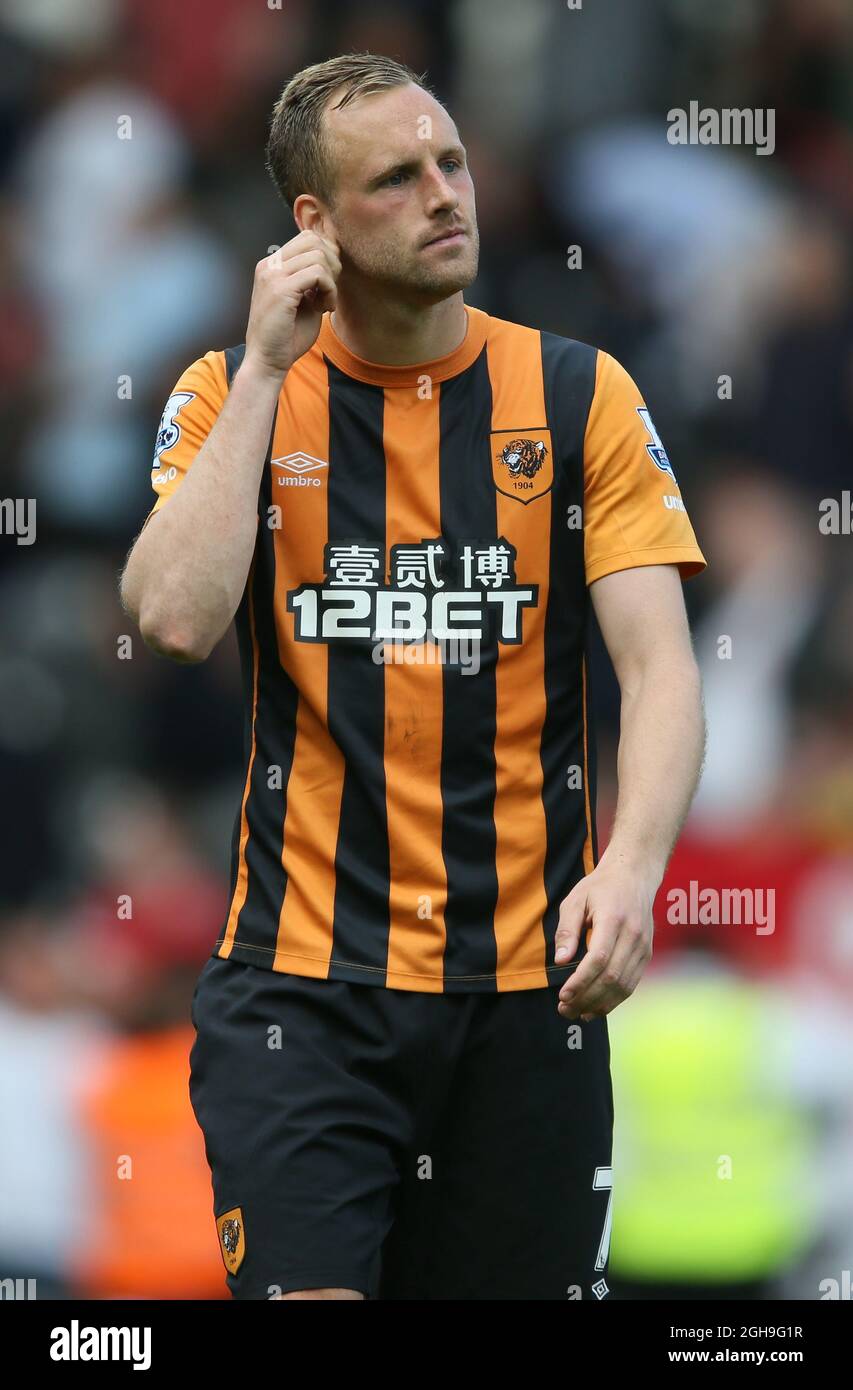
x,y
647,864
261,373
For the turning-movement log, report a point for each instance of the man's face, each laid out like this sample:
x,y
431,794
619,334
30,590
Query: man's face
x,y
401,181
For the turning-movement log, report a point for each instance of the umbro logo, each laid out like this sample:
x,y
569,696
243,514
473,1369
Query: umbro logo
x,y
297,467
299,463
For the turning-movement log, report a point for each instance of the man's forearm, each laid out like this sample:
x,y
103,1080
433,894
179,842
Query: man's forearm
x,y
187,571
661,747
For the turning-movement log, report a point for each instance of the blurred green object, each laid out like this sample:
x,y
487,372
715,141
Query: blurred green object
x,y
713,1152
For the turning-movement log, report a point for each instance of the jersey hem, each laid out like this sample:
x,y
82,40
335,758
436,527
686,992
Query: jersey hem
x,y
314,967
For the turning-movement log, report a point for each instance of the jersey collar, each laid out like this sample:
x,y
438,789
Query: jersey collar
x,y
381,374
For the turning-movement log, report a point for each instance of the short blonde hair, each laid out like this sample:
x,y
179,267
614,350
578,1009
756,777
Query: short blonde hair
x,y
297,156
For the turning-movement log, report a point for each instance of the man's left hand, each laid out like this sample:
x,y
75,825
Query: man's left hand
x,y
617,902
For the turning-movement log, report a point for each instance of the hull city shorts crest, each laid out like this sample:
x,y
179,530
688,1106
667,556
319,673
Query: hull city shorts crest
x,y
403,1144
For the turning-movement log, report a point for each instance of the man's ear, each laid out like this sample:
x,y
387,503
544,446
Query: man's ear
x,y
310,215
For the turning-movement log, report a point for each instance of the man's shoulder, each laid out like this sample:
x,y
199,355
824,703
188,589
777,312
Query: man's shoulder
x,y
203,383
554,344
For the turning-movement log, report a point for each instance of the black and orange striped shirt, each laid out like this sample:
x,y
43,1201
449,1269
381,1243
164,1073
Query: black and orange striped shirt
x,y
419,792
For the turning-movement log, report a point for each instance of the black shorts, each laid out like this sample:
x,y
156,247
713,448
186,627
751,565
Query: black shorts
x,y
399,1143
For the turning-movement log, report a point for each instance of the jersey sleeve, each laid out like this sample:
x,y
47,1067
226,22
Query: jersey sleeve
x,y
187,419
633,510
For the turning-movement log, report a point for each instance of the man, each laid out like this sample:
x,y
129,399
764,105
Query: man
x,y
401,1066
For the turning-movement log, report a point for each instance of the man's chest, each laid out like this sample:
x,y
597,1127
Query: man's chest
x,y
394,522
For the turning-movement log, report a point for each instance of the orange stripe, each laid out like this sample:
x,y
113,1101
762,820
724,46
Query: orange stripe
x,y
315,785
413,710
515,370
241,886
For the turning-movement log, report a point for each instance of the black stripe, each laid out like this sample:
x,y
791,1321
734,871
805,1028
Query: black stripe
x,y
233,357
275,736
356,692
569,377
469,511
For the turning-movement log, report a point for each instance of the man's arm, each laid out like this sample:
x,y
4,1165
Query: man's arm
x,y
186,573
644,624
187,570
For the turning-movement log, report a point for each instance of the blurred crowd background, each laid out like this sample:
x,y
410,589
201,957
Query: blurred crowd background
x,y
124,259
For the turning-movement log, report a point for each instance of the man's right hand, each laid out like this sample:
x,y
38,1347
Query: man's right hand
x,y
293,288
187,571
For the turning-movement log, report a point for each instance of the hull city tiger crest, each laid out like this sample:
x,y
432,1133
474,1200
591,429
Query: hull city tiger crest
x,y
232,1238
522,463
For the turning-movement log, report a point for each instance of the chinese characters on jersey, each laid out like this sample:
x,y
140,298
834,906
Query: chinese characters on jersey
x,y
436,592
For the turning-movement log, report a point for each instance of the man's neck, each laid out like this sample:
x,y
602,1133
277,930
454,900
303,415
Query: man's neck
x,y
396,334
